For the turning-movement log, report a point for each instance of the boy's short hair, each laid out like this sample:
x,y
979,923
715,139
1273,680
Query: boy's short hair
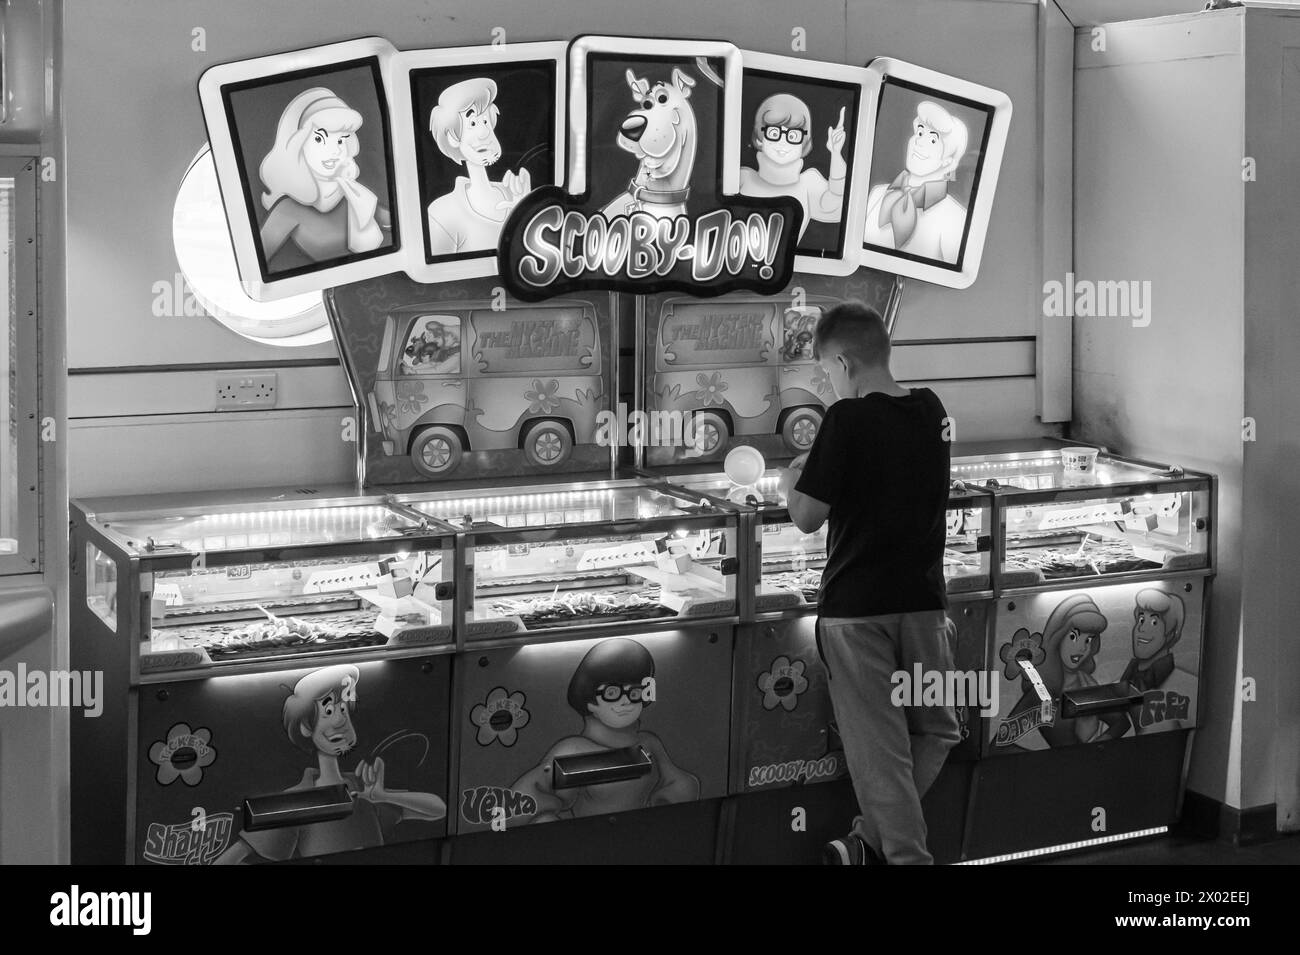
x,y
857,330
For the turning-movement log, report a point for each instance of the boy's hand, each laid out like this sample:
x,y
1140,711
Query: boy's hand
x,y
789,478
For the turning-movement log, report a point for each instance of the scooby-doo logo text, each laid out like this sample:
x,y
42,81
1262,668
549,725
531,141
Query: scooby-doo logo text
x,y
563,242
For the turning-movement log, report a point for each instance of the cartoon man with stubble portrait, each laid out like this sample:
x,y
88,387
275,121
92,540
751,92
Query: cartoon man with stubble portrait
x,y
470,216
317,718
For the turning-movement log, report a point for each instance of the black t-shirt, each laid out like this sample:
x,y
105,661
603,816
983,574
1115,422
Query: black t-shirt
x,y
881,463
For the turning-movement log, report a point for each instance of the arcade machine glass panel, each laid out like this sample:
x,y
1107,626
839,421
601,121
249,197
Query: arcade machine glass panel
x,y
1065,517
791,562
257,582
607,552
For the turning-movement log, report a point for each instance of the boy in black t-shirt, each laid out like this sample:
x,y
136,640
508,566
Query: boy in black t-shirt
x,y
878,472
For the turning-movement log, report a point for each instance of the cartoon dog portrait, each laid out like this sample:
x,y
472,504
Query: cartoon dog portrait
x,y
654,127
660,130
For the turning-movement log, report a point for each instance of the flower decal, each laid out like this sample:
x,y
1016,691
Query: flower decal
x,y
410,396
821,382
711,388
782,684
500,717
542,396
1021,640
184,754
388,416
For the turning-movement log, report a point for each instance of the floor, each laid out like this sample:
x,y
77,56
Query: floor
x,y
1184,850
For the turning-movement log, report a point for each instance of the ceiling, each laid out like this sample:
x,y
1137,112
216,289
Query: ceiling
x,y
1085,12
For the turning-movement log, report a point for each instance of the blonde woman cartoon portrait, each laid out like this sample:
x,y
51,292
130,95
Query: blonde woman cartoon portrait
x,y
783,138
313,198
470,216
915,212
1071,640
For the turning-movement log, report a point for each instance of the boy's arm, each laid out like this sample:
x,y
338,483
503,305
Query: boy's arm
x,y
812,483
806,511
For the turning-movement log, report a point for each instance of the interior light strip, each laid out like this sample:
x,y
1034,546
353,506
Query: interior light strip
x,y
1068,847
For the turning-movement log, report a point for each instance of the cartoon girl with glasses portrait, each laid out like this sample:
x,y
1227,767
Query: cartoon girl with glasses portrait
x,y
313,198
783,140
610,690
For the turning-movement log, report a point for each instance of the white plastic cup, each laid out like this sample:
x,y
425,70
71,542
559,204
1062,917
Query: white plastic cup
x,y
1078,460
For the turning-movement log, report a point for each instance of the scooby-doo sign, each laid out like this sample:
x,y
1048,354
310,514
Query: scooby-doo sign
x,y
652,200
619,163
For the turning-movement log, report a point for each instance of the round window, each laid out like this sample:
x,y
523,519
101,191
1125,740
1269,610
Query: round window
x,y
207,260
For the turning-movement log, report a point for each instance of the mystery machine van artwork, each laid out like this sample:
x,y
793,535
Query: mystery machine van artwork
x,y
454,377
738,367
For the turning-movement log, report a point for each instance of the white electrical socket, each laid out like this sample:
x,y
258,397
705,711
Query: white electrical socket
x,y
240,392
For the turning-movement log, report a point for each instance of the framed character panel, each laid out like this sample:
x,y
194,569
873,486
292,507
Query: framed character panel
x,y
805,134
936,153
651,201
481,127
304,150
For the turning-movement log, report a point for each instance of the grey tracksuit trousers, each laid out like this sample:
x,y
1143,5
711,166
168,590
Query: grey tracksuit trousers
x,y
894,754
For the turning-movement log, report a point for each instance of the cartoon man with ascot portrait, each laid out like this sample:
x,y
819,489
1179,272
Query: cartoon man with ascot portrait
x,y
470,216
915,213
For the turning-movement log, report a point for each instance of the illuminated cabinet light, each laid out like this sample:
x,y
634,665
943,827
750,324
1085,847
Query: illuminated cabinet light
x,y
206,258
1067,847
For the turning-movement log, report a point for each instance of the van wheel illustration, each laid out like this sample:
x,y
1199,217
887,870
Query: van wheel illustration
x,y
547,444
436,450
710,431
800,429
